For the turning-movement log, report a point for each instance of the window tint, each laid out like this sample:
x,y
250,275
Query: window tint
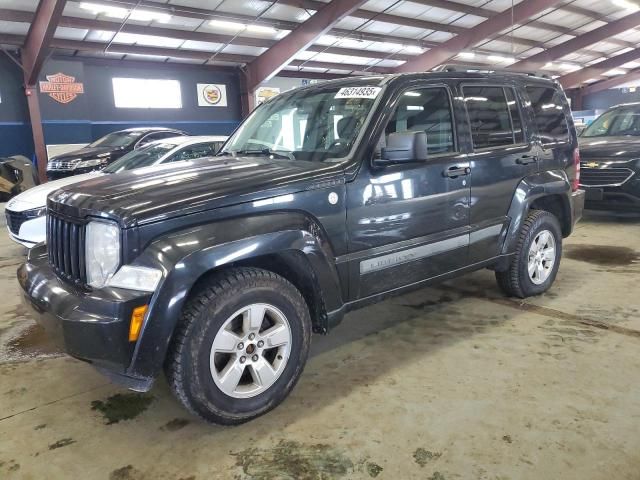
x,y
516,121
194,151
489,116
548,108
152,137
428,110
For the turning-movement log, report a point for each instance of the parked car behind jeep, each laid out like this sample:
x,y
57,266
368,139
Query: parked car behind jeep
x,y
610,151
325,199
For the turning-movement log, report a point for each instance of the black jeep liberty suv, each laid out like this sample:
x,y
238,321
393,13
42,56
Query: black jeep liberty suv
x,y
325,199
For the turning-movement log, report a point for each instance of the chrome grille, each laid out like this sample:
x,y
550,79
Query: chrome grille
x,y
603,177
65,245
61,165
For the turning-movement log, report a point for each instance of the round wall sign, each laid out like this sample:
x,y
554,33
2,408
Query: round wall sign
x,y
212,94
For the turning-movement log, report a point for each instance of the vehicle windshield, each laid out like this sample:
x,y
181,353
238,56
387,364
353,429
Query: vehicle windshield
x,y
117,139
143,157
618,122
319,124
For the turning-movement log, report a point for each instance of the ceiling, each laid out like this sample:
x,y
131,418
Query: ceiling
x,y
376,38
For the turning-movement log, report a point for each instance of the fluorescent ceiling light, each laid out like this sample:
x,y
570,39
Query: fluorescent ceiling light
x,y
241,26
121,13
467,55
499,58
626,4
614,72
569,67
261,29
548,66
413,49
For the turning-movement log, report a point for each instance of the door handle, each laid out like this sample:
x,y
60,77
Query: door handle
x,y
454,172
527,159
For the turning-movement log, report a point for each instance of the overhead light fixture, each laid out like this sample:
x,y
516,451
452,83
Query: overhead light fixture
x,y
548,66
413,49
614,72
466,55
500,59
241,26
627,5
121,13
569,67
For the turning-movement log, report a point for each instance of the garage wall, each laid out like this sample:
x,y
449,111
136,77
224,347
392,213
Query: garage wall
x,y
608,98
93,114
15,131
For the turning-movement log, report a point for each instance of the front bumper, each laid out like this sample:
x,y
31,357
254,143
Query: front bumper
x,y
91,326
58,174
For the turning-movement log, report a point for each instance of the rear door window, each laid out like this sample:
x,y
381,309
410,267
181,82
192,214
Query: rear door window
x,y
490,117
548,108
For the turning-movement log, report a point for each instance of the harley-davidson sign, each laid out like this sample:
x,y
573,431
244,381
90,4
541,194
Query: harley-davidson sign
x,y
62,88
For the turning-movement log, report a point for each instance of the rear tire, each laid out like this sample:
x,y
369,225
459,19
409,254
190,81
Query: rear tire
x,y
535,264
240,346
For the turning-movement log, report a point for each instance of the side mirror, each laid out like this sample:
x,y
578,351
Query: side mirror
x,y
404,147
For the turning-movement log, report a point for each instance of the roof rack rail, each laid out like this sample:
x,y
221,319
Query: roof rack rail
x,y
487,69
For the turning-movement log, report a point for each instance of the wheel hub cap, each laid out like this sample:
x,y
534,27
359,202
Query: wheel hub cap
x,y
542,257
250,351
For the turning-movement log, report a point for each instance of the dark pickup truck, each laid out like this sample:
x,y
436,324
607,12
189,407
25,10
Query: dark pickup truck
x,y
325,199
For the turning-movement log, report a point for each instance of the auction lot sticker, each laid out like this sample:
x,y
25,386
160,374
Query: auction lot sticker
x,y
358,92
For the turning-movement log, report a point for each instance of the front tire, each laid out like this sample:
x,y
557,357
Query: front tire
x,y
535,264
240,346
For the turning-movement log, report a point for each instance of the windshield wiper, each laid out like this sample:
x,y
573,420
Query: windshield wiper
x,y
265,151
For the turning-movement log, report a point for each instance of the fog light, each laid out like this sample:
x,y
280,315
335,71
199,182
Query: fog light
x,y
137,317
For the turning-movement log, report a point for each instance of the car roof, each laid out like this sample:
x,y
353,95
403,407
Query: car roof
x,y
190,140
445,74
149,129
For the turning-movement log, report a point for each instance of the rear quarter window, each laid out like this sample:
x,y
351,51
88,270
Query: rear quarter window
x,y
548,109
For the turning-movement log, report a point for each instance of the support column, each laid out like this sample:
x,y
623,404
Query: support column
x,y
38,133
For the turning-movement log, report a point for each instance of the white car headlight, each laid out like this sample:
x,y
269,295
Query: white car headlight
x,y
136,278
102,252
94,162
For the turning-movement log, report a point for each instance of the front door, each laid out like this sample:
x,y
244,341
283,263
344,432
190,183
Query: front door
x,y
410,222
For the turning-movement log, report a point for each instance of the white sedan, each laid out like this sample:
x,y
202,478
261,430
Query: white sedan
x,y
26,213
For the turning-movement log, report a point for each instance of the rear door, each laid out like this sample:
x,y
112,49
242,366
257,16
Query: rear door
x,y
502,154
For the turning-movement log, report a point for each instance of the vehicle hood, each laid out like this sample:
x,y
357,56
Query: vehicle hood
x,y
613,148
84,153
36,197
163,191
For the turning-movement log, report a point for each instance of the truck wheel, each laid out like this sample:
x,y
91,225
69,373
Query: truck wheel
x,y
537,258
240,346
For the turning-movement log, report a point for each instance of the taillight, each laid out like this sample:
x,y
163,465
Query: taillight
x,y
576,162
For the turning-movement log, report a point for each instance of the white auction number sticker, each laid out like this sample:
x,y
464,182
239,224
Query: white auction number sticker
x,y
358,92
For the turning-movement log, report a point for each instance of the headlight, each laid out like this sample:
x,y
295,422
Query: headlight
x,y
136,278
95,162
102,252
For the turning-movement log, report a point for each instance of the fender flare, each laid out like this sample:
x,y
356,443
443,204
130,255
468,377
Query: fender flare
x,y
185,256
530,189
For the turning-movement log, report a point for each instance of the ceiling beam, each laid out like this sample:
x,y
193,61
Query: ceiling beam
x,y
487,13
271,62
594,36
449,49
613,82
575,79
41,31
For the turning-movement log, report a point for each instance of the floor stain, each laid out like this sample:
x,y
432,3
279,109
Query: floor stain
x,y
603,255
293,460
122,406
61,443
32,342
125,473
422,456
373,469
175,424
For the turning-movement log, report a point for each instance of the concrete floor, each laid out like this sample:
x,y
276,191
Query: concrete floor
x,y
453,382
